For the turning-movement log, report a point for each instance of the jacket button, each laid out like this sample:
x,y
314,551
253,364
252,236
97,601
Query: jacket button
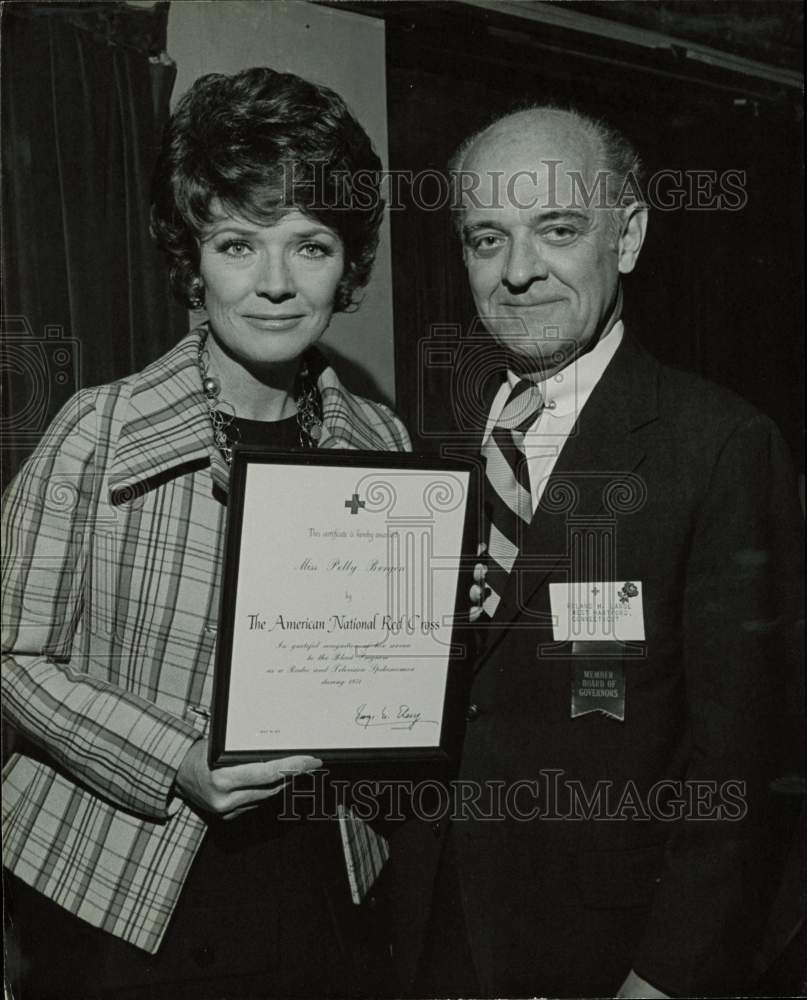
x,y
436,829
472,713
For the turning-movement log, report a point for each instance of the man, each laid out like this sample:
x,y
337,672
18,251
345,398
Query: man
x,y
634,577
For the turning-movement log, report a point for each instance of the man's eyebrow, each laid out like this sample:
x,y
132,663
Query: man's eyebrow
x,y
481,224
539,218
562,215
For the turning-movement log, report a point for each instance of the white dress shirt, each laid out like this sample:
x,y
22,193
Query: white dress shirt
x,y
565,394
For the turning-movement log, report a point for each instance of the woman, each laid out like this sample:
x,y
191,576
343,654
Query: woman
x,y
113,536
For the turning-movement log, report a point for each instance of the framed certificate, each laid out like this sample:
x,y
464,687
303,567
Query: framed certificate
x,y
338,598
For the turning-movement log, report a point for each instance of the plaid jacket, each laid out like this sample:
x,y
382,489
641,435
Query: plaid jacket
x,y
112,538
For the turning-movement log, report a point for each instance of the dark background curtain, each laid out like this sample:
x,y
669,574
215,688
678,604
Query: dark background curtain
x,y
85,295
716,292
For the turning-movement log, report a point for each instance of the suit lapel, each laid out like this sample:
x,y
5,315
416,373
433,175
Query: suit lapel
x,y
595,474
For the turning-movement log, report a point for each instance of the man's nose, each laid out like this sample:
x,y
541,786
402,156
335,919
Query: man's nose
x,y
274,279
524,265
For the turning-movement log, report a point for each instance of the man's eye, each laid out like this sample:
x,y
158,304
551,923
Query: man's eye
x,y
560,234
488,243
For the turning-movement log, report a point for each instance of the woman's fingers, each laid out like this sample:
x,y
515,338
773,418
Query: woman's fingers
x,y
246,799
225,789
262,774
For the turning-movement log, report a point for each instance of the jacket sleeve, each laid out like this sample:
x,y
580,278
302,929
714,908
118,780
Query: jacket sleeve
x,y
741,639
400,436
123,747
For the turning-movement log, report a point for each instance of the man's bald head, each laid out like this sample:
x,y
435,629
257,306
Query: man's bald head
x,y
568,127
609,166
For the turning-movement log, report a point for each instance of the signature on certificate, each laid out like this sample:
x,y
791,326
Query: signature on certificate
x,y
394,717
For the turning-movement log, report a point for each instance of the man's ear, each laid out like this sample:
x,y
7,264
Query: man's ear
x,y
632,234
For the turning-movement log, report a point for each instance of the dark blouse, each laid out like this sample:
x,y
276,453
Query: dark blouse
x,y
278,434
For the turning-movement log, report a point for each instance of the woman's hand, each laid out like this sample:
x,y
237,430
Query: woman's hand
x,y
229,791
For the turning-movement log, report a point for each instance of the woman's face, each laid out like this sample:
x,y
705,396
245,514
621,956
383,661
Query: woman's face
x,y
269,290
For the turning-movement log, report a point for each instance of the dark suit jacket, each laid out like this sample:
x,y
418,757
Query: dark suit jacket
x,y
674,482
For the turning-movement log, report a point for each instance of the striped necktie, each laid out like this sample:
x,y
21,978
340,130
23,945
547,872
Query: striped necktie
x,y
507,497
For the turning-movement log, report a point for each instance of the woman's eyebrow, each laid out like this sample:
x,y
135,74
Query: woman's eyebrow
x,y
216,228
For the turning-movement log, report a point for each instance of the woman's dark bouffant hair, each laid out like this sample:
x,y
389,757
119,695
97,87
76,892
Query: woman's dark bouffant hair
x,y
263,143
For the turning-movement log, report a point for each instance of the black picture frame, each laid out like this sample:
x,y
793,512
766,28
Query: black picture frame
x,y
221,752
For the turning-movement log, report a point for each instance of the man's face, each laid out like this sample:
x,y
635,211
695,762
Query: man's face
x,y
543,266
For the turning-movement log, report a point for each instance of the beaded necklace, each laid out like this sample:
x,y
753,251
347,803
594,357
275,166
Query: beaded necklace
x,y
222,414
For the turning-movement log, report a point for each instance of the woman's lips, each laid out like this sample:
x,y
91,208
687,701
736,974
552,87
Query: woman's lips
x,y
282,322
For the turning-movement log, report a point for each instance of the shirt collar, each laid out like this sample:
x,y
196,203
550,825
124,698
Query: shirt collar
x,y
566,391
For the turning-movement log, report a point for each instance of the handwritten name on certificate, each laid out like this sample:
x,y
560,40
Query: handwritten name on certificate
x,y
341,625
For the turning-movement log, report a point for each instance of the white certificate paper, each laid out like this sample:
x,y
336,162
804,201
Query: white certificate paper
x,y
341,620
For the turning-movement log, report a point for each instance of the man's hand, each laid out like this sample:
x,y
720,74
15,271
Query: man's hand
x,y
638,988
229,791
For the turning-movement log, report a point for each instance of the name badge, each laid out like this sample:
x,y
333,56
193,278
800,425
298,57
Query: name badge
x,y
601,611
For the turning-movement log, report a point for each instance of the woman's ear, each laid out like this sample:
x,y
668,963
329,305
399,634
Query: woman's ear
x,y
343,298
196,293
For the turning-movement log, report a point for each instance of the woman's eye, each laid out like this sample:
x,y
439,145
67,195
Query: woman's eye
x,y
313,250
235,248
